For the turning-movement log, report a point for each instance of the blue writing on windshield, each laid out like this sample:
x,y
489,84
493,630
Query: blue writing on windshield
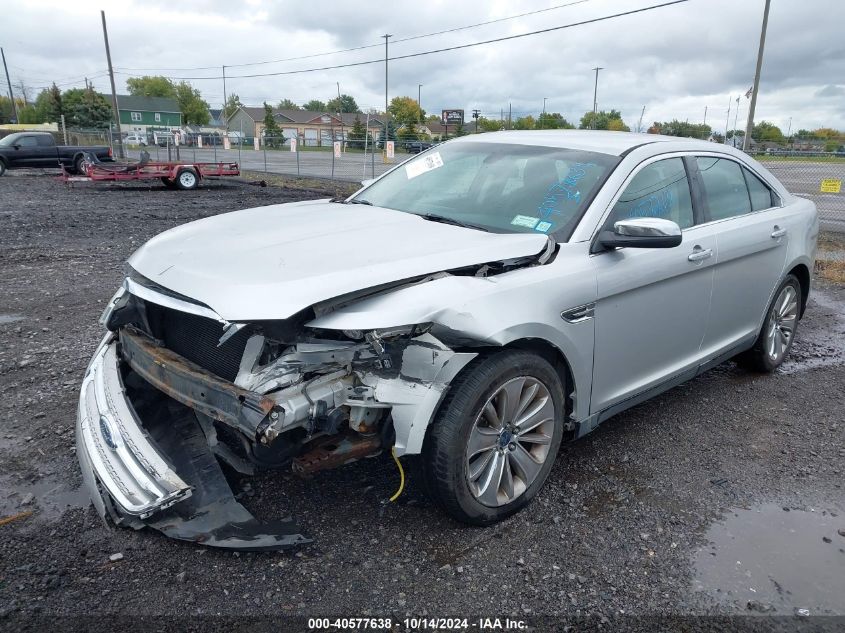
x,y
564,191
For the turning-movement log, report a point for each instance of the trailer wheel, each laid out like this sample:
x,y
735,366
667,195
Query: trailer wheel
x,y
187,179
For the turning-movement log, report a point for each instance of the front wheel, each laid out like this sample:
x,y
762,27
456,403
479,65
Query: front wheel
x,y
495,437
778,332
2,168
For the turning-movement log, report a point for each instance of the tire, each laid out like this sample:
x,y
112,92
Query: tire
x,y
452,473
2,168
778,332
79,165
187,179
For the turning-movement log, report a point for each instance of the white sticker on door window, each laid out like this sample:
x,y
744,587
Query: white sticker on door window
x,y
424,164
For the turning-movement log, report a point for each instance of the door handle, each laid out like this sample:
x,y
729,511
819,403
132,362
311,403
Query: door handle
x,y
778,232
699,254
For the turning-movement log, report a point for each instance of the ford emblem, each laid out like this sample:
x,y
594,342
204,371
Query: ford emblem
x,y
107,432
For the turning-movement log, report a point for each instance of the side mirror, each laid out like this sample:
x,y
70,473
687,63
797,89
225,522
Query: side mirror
x,y
16,146
368,182
642,233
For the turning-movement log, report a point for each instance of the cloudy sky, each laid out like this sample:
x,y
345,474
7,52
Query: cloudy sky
x,y
676,61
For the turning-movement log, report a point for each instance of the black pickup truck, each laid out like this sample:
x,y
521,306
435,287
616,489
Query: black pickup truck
x,y
39,149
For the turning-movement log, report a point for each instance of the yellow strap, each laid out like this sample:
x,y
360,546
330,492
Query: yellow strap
x,y
401,475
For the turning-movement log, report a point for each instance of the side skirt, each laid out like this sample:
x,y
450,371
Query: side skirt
x,y
589,424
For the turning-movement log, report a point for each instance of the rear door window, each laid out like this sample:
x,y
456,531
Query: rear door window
x,y
761,195
724,187
658,190
45,141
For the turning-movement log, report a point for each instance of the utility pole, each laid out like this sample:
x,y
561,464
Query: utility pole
x,y
385,36
225,99
543,116
475,114
736,115
728,119
510,111
640,123
705,115
120,153
419,101
749,126
595,95
9,82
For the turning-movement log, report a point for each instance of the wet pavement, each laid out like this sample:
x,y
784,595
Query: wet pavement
x,y
776,559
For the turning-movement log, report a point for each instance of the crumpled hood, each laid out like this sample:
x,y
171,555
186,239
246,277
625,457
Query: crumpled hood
x,y
271,262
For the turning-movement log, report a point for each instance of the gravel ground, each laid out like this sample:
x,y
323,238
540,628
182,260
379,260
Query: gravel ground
x,y
620,528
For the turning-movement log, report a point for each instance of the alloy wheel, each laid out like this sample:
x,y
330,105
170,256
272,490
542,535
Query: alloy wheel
x,y
781,325
510,440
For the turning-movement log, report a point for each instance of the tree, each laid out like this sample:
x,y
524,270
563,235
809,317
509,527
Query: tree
x,y
683,128
488,125
344,104
391,133
824,132
409,133
287,104
739,133
48,104
273,136
525,123
765,131
357,134
83,107
315,105
232,104
151,86
405,110
601,120
194,109
553,121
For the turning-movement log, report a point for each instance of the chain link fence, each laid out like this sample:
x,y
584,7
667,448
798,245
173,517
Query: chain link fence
x,y
810,167
348,159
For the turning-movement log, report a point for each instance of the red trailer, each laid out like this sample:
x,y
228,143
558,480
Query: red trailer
x,y
180,175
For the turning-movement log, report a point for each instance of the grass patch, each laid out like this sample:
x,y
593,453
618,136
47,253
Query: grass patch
x,y
831,270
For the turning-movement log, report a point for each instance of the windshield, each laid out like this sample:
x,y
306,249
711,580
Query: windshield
x,y
501,187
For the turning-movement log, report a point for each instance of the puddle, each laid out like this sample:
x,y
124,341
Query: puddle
x,y
11,318
777,559
822,345
50,497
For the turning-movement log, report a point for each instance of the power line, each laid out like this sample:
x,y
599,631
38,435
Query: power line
x,y
367,46
439,50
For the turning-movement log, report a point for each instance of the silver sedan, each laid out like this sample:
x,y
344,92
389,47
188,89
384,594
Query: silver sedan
x,y
477,304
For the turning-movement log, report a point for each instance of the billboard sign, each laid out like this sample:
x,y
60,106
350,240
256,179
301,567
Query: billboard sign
x,y
453,117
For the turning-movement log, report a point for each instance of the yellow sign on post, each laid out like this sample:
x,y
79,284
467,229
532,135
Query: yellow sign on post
x,y
831,185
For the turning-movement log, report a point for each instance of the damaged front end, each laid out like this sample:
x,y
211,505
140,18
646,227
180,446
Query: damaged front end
x,y
174,390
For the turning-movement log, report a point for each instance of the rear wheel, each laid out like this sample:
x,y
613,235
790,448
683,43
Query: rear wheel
x,y
2,168
187,179
495,437
79,165
778,332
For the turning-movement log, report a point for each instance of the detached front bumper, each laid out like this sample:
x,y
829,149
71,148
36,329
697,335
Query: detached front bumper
x,y
115,453
162,475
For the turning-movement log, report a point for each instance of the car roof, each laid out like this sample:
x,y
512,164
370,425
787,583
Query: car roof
x,y
602,141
